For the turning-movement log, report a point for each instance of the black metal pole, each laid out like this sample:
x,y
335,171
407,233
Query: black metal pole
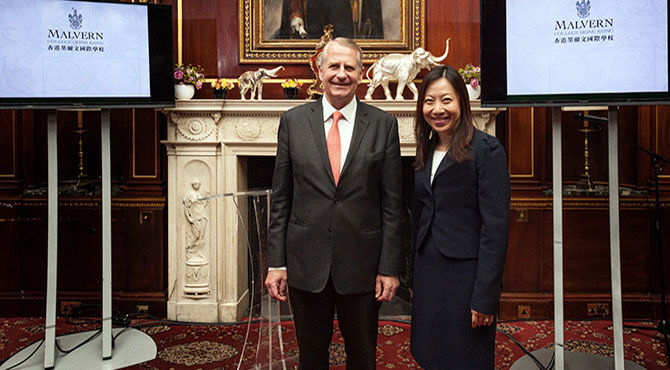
x,y
663,325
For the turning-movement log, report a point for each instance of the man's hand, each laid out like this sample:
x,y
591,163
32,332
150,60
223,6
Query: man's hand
x,y
298,26
481,319
276,284
386,287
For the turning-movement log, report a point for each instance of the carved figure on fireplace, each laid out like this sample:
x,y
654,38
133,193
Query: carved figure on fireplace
x,y
196,215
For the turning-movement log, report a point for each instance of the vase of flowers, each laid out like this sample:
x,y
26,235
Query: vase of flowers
x,y
291,86
472,75
220,87
187,78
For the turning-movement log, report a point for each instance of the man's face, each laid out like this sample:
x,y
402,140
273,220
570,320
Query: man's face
x,y
340,74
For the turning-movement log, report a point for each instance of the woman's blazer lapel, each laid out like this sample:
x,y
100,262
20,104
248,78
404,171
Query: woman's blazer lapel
x,y
443,166
424,174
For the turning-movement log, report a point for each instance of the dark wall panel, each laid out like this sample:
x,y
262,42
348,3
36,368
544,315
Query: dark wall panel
x,y
521,146
145,141
524,263
8,141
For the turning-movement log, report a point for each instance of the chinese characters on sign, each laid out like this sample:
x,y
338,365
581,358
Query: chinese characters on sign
x,y
88,49
583,39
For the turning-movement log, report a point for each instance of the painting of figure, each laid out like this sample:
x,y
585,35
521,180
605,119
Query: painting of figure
x,y
305,19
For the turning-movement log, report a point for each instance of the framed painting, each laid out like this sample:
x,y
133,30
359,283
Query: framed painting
x,y
287,31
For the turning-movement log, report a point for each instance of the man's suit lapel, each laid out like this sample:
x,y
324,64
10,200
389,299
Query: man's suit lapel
x,y
316,123
360,125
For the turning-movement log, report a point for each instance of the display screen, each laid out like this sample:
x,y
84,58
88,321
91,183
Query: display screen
x,y
568,52
55,52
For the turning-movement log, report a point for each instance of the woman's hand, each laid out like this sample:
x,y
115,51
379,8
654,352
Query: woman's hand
x,y
481,319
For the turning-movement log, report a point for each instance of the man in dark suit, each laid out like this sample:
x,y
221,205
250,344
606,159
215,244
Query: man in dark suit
x,y
360,19
335,214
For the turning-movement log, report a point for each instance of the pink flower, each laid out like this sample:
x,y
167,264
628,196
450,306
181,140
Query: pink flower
x,y
474,83
198,85
178,75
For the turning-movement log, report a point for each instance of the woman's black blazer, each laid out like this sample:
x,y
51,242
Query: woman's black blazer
x,y
466,212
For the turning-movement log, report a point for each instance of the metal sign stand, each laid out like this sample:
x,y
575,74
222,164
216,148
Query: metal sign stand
x,y
557,181
132,346
576,360
615,258
52,244
559,356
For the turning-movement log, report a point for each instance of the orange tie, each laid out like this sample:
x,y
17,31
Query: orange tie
x,y
334,148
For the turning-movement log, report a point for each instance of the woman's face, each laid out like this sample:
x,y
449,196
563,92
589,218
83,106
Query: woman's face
x,y
441,108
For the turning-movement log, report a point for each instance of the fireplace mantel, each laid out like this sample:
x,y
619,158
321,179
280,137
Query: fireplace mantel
x,y
207,145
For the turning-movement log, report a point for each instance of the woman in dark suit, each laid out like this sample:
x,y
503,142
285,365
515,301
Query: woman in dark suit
x,y
460,219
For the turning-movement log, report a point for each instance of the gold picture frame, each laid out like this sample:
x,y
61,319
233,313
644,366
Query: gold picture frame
x,y
258,44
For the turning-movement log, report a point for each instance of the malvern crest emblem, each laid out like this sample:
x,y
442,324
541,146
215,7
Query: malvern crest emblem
x,y
75,20
583,8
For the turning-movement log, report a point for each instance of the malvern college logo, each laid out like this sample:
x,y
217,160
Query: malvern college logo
x,y
583,29
76,20
73,39
583,8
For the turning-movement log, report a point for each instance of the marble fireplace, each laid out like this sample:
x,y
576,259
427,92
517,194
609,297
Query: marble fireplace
x,y
208,143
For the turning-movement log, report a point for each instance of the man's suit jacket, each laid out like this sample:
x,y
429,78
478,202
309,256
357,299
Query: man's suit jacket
x,y
466,213
351,231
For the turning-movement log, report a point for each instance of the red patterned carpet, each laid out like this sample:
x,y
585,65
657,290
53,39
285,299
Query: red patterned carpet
x,y
220,347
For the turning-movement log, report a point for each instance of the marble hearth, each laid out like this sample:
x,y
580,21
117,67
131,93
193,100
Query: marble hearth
x,y
207,143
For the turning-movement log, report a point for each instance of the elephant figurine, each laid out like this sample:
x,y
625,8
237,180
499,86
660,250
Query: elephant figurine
x,y
254,80
402,68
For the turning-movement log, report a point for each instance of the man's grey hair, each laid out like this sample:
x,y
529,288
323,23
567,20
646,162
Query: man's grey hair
x,y
344,41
